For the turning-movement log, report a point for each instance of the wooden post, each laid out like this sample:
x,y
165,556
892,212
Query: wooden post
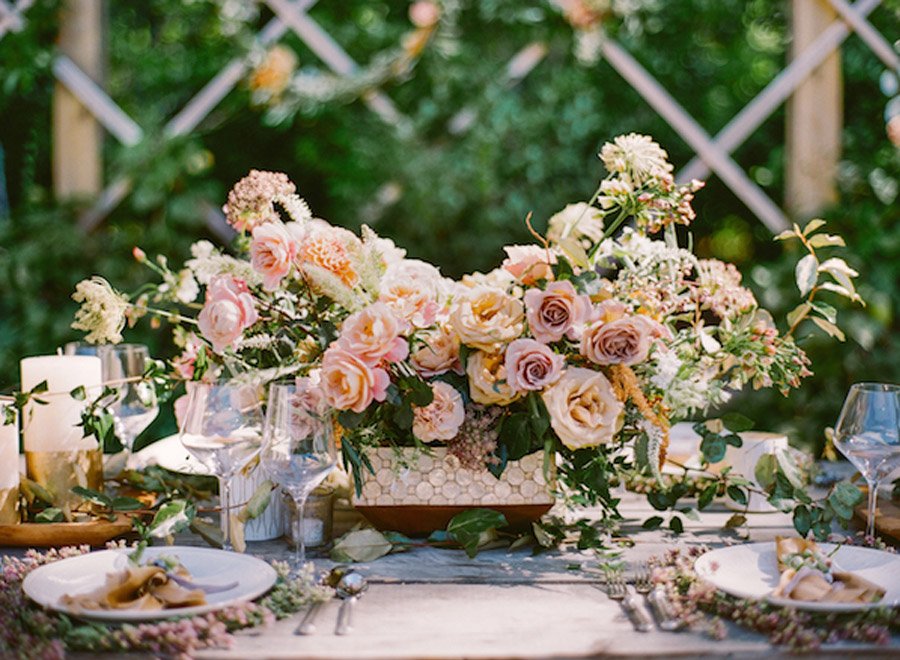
x,y
77,136
814,118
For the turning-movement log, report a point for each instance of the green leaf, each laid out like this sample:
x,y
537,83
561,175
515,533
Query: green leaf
x,y
806,273
812,225
789,468
475,527
826,240
676,525
707,496
403,416
849,494
737,423
802,520
736,520
258,502
828,312
79,393
349,419
92,496
713,448
515,436
126,504
690,514
764,472
785,235
653,522
799,313
209,532
363,545
738,494
829,328
50,515
171,518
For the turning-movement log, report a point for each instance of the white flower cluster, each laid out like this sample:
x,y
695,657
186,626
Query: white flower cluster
x,y
102,311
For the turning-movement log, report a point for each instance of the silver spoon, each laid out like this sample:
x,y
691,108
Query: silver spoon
x,y
349,588
307,625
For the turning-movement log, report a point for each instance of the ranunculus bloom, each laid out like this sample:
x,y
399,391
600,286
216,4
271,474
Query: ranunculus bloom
x,y
531,365
624,341
556,311
440,353
484,317
349,383
412,288
487,379
584,411
272,253
440,419
529,263
326,248
373,335
228,311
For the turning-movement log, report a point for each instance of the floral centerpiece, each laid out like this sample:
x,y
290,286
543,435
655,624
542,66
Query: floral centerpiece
x,y
586,345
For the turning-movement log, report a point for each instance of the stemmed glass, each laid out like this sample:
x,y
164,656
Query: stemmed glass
x,y
299,449
867,434
134,406
222,428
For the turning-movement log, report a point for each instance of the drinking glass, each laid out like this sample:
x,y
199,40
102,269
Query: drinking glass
x,y
299,450
134,406
867,434
222,428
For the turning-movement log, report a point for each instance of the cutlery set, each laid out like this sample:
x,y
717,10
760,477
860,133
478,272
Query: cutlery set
x,y
655,597
349,586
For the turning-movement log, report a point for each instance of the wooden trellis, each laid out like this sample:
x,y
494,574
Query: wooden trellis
x,y
713,153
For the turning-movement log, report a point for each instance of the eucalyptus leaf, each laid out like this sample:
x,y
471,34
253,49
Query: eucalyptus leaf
x,y
475,527
362,545
171,518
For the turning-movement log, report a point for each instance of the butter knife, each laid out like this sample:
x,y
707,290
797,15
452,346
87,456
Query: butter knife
x,y
663,610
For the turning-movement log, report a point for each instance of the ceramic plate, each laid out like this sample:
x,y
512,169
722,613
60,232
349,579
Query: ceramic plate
x,y
170,454
48,584
751,571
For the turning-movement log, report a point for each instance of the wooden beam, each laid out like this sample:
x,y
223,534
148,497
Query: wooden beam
x,y
814,117
77,135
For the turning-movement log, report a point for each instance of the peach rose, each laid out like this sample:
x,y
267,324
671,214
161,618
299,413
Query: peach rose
x,y
412,289
556,311
440,419
531,365
529,263
440,353
227,312
625,341
348,383
487,379
584,411
373,335
272,253
484,317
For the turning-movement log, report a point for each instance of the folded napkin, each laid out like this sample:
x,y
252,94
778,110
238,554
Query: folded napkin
x,y
808,575
145,588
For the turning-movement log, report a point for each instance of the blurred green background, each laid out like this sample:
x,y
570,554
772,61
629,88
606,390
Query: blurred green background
x,y
457,197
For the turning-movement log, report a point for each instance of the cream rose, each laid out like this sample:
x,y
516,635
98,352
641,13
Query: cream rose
x,y
487,379
412,289
584,411
348,383
373,335
624,341
440,419
556,311
484,316
272,253
531,365
529,263
440,353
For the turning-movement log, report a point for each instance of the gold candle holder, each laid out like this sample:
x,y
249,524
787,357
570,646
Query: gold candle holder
x,y
60,471
9,466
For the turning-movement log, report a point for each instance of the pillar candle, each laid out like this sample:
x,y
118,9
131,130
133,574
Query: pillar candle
x,y
9,470
54,426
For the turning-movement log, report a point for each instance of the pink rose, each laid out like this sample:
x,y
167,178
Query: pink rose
x,y
531,365
556,311
272,252
373,335
411,289
529,263
349,383
228,311
440,419
626,340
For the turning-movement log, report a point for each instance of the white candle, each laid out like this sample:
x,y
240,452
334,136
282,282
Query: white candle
x,y
54,426
9,452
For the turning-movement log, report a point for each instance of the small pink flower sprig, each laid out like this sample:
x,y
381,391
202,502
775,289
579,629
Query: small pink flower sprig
x,y
704,609
27,632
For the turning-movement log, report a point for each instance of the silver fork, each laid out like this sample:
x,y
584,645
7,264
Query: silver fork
x,y
617,590
657,598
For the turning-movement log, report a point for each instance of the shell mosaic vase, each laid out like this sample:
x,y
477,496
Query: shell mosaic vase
x,y
417,494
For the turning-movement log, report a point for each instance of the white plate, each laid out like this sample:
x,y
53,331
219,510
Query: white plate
x,y
751,571
170,454
48,584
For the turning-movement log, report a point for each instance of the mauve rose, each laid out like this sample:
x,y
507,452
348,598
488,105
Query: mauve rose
x,y
373,335
624,341
272,253
584,411
440,419
556,311
529,263
227,312
531,365
349,383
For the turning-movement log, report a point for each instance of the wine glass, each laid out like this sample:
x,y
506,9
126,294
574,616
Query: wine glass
x,y
867,434
134,406
222,428
299,449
